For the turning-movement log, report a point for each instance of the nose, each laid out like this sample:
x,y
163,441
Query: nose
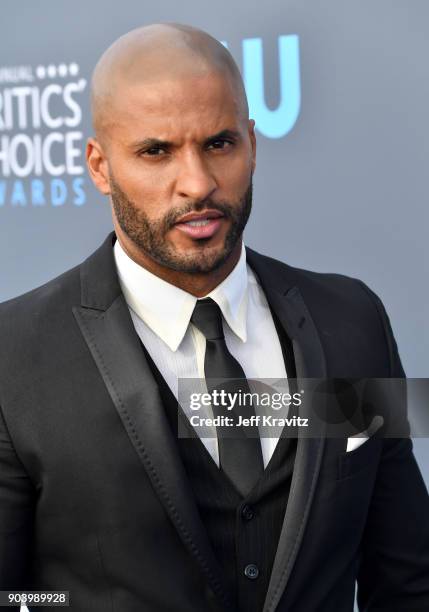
x,y
195,180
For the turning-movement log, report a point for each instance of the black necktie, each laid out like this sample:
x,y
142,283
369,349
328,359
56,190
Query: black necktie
x,y
240,452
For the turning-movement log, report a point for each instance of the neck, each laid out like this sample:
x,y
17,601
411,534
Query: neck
x,y
195,283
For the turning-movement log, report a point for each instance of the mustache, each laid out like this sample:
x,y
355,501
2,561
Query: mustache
x,y
172,216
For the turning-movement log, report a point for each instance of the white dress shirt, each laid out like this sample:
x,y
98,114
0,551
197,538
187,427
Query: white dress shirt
x,y
161,315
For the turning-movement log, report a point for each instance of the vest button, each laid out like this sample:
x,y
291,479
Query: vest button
x,y
251,571
247,512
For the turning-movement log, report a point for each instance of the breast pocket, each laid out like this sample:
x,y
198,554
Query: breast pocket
x,y
363,458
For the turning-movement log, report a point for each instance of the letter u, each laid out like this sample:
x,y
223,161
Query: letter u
x,y
273,123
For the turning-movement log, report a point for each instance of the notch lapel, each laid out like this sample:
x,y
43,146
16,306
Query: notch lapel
x,y
287,302
107,328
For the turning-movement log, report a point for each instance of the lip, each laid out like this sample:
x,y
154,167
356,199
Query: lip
x,y
214,218
209,213
201,231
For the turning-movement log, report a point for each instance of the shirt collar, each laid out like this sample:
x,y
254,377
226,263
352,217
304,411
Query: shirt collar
x,y
167,310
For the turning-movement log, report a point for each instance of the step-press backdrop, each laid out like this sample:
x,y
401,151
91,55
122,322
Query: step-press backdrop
x,y
340,93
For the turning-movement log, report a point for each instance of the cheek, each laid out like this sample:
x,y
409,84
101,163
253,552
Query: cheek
x,y
146,187
235,176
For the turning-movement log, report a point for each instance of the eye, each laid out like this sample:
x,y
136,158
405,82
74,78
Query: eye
x,y
153,151
220,143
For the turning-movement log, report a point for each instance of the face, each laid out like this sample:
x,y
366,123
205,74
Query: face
x,y
177,163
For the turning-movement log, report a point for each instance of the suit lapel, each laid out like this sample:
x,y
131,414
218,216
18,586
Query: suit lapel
x,y
107,328
288,304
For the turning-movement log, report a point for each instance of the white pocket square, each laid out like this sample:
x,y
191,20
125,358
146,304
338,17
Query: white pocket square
x,y
358,439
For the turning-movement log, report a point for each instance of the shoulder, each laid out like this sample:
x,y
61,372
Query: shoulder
x,y
350,318
322,289
61,290
31,318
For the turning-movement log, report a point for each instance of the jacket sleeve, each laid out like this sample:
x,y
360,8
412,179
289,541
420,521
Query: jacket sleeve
x,y
17,497
394,564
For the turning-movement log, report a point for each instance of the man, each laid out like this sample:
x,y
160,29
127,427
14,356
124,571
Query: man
x,y
98,493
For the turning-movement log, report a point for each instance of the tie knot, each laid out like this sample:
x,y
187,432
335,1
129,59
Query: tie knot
x,y
207,317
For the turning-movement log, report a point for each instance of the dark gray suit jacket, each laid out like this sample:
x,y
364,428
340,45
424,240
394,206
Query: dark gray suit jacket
x,y
94,498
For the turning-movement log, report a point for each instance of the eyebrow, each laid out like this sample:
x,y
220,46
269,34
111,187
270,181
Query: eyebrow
x,y
148,143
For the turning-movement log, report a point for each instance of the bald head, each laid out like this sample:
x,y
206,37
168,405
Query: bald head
x,y
157,52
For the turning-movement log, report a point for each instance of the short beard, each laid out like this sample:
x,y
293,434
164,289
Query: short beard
x,y
149,236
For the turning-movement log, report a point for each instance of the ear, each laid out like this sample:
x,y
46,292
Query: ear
x,y
98,168
252,137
